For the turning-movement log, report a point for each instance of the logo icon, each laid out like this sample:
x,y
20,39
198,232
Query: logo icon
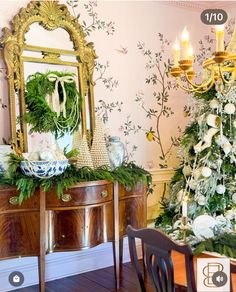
x,y
213,274
16,279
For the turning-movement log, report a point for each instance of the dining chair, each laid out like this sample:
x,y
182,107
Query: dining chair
x,y
232,271
158,261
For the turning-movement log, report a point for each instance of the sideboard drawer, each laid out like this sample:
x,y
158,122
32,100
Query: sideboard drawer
x,y
138,190
9,200
81,195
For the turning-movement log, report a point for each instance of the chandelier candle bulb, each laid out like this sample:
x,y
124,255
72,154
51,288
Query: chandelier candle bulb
x,y
176,53
185,44
219,38
190,52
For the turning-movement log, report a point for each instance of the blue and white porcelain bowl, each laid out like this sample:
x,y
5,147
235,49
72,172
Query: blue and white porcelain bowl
x,y
43,169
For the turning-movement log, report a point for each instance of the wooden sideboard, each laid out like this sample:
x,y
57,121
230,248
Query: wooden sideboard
x,y
86,215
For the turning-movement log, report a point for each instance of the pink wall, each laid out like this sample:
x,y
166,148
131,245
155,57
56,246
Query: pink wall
x,y
134,22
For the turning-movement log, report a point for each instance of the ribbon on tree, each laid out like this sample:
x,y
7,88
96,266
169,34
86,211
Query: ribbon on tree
x,y
55,101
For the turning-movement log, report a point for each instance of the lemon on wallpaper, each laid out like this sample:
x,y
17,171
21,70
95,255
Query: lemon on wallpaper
x,y
150,135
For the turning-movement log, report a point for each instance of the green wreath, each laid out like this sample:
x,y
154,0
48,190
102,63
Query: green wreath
x,y
45,113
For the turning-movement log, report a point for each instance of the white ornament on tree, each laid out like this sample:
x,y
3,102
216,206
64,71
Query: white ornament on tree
x,y
192,184
221,140
187,170
203,226
227,147
213,121
209,135
214,104
197,173
201,200
206,171
220,189
229,108
234,198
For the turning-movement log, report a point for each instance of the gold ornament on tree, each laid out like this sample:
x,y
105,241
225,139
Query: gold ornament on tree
x,y
99,150
84,158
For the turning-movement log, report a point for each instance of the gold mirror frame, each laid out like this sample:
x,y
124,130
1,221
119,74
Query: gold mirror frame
x,y
51,15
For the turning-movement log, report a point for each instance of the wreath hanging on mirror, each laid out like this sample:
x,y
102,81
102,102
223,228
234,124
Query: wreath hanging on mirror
x,y
53,103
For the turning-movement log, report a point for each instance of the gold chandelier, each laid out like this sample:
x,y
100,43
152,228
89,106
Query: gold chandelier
x,y
219,70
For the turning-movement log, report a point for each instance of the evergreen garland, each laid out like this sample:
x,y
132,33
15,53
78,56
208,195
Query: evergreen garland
x,y
223,244
39,114
127,175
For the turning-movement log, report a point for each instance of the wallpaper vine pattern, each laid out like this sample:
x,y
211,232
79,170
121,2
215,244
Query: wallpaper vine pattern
x,y
103,108
158,77
157,65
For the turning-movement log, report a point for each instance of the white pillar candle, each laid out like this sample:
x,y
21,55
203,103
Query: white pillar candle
x,y
185,207
176,53
219,38
185,44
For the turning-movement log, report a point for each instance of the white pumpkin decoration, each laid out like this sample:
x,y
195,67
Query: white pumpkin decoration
x,y
234,198
201,200
206,171
214,104
213,121
220,189
187,170
221,140
229,108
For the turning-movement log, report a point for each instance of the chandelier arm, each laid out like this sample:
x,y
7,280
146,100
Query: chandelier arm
x,y
197,90
223,78
209,81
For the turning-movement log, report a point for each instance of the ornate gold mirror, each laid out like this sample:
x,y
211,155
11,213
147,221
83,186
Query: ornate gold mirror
x,y
63,49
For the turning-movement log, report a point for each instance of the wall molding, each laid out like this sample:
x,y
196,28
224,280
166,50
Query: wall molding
x,y
161,175
60,265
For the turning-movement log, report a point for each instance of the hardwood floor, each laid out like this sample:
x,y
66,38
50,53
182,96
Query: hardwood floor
x,y
96,281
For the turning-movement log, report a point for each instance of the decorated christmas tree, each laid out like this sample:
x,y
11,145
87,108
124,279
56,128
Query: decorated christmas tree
x,y
204,186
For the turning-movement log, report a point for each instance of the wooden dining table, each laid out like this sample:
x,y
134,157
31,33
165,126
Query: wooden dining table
x,y
179,268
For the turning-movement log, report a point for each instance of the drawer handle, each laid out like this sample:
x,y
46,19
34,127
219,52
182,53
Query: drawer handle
x,y
104,194
14,201
66,197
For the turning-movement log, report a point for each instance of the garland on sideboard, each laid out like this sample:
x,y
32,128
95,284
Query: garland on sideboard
x,y
42,92
128,174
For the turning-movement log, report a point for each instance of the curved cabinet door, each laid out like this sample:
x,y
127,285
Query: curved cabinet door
x,y
19,234
83,227
132,207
